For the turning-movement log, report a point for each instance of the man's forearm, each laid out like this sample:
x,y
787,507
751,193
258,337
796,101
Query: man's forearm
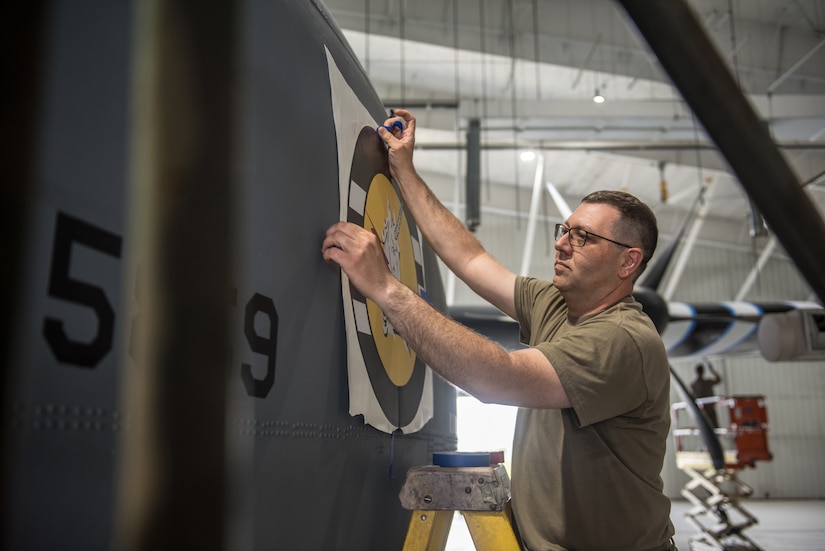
x,y
463,357
445,233
470,361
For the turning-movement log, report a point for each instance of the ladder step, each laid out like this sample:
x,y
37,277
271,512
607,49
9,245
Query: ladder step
x,y
457,489
481,494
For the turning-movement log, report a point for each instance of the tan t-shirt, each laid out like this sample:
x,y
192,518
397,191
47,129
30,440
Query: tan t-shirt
x,y
588,477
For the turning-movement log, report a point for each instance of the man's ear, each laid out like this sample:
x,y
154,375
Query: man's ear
x,y
631,261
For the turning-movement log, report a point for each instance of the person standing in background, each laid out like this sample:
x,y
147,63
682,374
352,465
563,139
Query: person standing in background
x,y
703,388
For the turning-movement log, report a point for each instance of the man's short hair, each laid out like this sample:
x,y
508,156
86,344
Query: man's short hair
x,y
636,224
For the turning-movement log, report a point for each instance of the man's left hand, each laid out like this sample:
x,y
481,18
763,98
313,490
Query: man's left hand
x,y
360,255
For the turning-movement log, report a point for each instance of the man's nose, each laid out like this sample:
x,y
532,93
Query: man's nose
x,y
562,243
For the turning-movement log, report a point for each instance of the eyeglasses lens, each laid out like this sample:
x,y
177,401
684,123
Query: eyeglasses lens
x,y
577,236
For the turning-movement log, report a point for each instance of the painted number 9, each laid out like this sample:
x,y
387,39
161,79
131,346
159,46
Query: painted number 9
x,y
262,344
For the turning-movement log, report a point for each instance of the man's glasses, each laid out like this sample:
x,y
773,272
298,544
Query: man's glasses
x,y
578,236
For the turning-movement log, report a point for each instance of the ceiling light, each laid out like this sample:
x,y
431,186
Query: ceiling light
x,y
527,156
597,97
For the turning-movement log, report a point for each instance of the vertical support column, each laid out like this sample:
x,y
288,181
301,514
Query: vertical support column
x,y
473,214
690,241
527,254
764,256
173,474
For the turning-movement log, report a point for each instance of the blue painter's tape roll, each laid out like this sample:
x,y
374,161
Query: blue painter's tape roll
x,y
461,459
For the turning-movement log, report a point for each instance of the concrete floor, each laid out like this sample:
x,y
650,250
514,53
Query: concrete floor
x,y
783,526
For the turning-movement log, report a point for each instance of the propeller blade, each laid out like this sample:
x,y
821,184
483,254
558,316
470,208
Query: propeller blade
x,y
709,438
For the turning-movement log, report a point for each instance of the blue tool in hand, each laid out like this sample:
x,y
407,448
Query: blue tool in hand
x,y
395,124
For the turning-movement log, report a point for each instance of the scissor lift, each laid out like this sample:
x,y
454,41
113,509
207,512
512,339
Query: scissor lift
x,y
715,493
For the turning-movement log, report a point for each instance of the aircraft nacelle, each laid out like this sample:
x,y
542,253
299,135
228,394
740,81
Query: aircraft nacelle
x,y
798,335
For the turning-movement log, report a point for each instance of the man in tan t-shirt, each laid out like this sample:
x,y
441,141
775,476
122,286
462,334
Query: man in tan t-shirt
x,y
593,385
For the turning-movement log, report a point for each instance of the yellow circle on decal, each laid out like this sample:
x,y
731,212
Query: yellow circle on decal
x,y
384,216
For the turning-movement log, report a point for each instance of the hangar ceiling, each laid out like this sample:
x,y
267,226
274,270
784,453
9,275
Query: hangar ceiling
x,y
529,70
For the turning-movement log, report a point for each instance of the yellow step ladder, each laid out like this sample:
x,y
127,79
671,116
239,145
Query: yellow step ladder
x,y
481,493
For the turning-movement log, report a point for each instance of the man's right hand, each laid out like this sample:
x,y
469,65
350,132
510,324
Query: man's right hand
x,y
400,145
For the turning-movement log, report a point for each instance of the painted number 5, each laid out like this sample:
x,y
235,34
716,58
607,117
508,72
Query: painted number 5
x,y
68,232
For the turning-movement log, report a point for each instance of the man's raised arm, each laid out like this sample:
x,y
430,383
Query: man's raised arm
x,y
457,247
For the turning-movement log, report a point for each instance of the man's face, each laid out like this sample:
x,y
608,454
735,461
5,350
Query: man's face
x,y
594,266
